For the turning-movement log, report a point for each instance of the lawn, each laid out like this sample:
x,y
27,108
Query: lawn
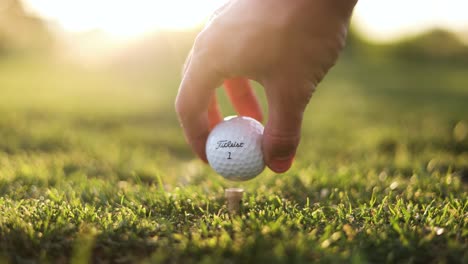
x,y
94,167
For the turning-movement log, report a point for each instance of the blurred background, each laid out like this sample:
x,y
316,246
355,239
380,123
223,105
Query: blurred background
x,y
100,77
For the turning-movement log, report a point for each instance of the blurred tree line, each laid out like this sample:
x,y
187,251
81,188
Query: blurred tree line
x,y
20,31
437,45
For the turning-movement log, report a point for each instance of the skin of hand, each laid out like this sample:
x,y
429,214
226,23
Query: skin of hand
x,y
285,45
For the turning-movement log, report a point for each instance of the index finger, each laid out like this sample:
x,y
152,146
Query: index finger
x,y
193,99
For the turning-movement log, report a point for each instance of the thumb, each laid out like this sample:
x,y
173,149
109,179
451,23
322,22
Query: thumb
x,y
286,104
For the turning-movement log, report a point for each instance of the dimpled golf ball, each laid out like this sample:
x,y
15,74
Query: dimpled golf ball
x,y
234,148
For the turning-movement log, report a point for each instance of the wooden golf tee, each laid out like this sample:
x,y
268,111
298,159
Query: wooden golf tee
x,y
234,199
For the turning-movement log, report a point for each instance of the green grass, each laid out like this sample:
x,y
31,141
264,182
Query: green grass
x,y
94,167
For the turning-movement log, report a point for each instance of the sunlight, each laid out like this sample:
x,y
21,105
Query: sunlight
x,y
379,20
382,20
124,18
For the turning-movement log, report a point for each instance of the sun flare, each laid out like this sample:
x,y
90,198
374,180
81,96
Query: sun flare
x,y
124,18
377,19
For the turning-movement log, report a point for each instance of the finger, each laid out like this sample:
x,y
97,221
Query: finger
x,y
243,98
187,62
282,132
192,103
220,9
214,113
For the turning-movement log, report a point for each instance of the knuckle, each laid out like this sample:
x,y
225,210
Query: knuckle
x,y
281,139
200,41
183,108
206,41
301,96
206,51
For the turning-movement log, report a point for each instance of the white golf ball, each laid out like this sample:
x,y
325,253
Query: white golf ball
x,y
234,148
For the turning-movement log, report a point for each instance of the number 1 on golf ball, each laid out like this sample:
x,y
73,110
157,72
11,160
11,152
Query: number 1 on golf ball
x,y
234,148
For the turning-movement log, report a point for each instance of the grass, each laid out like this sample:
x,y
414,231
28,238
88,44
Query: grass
x,y
94,167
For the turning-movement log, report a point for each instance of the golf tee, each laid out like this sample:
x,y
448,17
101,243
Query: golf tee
x,y
234,199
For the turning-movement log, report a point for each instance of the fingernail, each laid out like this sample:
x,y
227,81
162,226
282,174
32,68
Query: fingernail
x,y
280,165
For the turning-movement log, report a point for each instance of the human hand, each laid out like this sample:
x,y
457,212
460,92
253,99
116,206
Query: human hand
x,y
286,46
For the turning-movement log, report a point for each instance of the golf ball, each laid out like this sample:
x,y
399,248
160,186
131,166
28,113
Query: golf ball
x,y
234,148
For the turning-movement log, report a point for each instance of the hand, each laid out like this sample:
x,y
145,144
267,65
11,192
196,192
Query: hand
x,y
286,45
